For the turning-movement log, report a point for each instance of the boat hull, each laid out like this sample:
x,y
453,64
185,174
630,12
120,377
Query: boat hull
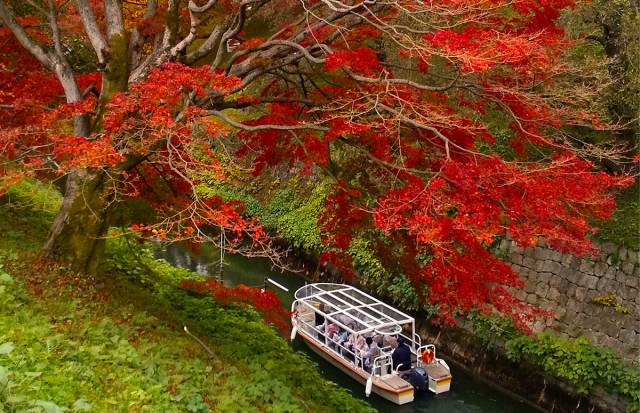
x,y
401,396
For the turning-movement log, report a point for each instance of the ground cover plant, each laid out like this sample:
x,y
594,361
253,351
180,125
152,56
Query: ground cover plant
x,y
115,343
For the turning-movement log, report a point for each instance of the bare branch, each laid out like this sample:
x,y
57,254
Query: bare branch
x,y
23,37
92,29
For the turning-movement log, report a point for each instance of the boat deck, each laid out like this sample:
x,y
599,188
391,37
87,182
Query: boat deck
x,y
437,371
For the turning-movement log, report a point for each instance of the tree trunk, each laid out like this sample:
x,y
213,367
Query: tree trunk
x,y
77,235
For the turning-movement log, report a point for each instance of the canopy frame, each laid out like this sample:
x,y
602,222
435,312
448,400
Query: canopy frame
x,y
368,317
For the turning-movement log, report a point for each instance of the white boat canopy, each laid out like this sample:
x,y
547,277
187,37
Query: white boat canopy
x,y
352,309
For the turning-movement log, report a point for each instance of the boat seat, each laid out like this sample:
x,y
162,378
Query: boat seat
x,y
436,371
396,382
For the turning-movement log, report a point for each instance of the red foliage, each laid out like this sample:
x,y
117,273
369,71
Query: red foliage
x,y
266,302
408,153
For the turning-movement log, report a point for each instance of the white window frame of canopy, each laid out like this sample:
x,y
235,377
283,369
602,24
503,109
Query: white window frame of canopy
x,y
369,314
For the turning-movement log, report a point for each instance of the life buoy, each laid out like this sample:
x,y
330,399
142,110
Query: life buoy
x,y
427,355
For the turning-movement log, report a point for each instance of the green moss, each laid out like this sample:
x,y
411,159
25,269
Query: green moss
x,y
116,77
624,226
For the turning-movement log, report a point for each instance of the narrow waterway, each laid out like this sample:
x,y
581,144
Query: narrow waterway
x,y
467,394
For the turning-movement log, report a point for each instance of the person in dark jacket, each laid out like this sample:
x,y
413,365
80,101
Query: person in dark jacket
x,y
401,356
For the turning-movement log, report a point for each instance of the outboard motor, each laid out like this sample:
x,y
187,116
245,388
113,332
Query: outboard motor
x,y
417,377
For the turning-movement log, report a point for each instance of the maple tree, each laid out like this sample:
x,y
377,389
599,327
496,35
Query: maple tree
x,y
441,124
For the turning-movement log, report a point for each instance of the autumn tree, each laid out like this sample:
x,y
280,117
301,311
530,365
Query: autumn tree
x,y
441,124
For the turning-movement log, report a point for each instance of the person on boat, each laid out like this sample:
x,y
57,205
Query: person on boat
x,y
319,320
370,353
389,341
401,356
345,320
331,330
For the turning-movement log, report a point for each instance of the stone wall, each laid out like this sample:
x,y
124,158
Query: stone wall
x,y
595,297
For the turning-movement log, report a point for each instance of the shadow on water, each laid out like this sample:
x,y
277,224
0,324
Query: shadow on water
x,y
467,394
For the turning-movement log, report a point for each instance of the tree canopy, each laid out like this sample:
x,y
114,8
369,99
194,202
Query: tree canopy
x,y
442,125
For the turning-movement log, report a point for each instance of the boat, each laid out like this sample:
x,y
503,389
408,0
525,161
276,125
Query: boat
x,y
325,314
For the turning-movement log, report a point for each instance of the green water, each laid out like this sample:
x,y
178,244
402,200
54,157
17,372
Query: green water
x,y
467,394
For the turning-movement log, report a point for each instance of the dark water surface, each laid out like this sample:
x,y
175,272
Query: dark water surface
x,y
467,394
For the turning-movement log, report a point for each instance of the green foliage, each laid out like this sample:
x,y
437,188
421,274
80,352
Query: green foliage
x,y
624,226
610,300
26,212
580,363
229,193
116,344
375,277
492,330
295,216
269,374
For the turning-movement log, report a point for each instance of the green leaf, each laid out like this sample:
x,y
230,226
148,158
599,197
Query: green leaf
x,y
4,377
5,278
48,407
82,405
6,348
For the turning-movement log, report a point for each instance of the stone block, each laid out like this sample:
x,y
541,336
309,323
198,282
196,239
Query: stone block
x,y
504,245
586,266
563,286
622,253
612,286
541,290
630,321
559,313
634,257
555,256
627,336
532,298
540,253
592,309
600,269
581,294
539,265
545,277
571,291
567,259
630,293
592,282
588,281
627,268
575,264
591,294
529,287
529,262
555,280
608,247
611,342
552,266
553,294
570,274
620,276
611,272
602,282
632,282
562,300
515,258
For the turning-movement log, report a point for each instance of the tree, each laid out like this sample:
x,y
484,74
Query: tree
x,y
441,124
612,30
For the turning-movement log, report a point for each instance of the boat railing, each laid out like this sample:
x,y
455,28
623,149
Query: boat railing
x,y
332,344
382,365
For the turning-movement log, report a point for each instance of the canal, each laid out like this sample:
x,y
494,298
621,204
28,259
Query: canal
x,y
467,394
